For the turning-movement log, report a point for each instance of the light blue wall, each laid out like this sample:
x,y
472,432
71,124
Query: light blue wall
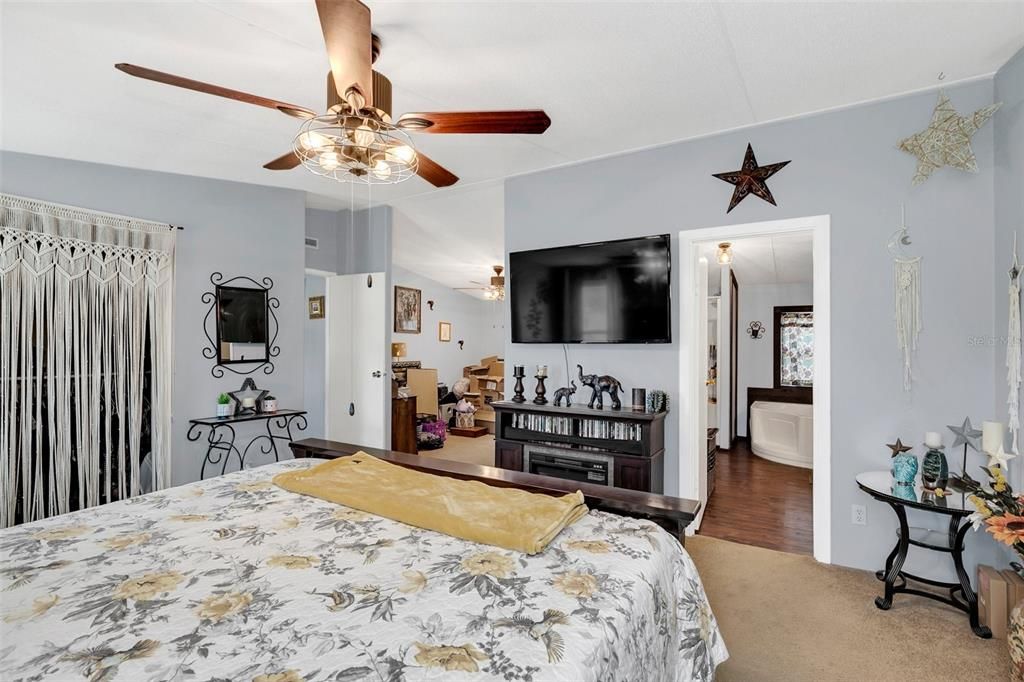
x,y
845,164
475,321
230,227
1009,217
349,243
314,338
322,226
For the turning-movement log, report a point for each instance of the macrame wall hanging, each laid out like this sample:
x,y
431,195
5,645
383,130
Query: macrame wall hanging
x,y
1013,349
907,282
85,357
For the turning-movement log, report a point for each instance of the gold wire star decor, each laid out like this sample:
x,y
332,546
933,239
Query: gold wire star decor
x,y
947,139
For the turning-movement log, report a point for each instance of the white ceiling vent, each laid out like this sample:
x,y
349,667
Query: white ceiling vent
x,y
312,243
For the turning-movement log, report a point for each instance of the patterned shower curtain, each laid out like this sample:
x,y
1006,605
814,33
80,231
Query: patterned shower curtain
x,y
85,357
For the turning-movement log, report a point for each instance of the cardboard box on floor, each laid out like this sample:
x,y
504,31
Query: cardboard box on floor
x,y
993,601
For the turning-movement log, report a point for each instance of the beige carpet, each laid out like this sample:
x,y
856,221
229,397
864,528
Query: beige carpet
x,y
470,450
787,617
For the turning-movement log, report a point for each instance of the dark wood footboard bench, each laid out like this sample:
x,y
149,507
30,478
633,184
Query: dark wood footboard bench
x,y
673,514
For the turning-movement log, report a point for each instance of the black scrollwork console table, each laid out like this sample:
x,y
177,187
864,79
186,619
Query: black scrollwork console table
x,y
220,435
879,485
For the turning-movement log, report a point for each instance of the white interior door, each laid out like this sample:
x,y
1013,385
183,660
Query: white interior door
x,y
357,374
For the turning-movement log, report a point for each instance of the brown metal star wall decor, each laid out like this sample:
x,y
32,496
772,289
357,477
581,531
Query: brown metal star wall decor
x,y
751,179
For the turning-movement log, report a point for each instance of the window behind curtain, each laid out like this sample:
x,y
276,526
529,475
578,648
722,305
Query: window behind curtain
x,y
794,336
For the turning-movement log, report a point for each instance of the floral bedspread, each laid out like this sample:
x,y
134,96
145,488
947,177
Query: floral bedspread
x,y
235,579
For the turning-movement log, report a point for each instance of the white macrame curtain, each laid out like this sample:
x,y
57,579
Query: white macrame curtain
x,y
85,300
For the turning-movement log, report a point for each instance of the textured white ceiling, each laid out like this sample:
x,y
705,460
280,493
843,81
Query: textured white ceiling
x,y
452,237
682,69
771,259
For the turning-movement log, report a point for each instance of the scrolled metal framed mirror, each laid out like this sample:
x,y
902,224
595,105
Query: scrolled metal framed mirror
x,y
240,325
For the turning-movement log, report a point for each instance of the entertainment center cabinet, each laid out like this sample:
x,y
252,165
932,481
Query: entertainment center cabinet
x,y
621,448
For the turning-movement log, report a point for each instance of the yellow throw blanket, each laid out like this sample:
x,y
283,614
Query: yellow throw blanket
x,y
504,517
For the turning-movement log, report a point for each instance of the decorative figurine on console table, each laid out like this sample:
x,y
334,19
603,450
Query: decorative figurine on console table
x,y
904,466
934,469
565,392
248,399
599,385
519,372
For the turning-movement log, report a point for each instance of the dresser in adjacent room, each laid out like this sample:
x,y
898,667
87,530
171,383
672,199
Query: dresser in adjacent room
x,y
403,424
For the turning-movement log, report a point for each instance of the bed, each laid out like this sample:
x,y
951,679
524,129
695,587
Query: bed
x,y
234,578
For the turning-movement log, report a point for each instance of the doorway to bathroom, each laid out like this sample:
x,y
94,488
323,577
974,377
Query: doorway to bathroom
x,y
754,382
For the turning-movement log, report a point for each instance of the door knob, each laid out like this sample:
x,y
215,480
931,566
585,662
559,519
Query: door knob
x,y
376,374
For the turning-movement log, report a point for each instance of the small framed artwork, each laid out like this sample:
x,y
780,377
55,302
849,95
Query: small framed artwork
x,y
408,310
444,331
316,307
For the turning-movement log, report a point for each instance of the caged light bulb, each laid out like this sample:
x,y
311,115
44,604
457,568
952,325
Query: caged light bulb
x,y
328,161
363,136
403,152
313,141
382,169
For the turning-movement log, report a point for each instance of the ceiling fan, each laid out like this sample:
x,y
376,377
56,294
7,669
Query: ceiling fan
x,y
356,139
495,291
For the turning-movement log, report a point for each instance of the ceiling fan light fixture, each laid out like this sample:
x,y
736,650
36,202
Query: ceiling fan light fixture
x,y
350,146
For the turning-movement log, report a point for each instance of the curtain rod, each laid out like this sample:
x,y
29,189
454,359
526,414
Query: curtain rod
x,y
177,227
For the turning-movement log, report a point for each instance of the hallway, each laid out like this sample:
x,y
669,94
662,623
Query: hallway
x,y
761,503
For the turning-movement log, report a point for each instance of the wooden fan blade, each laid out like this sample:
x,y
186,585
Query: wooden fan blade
x,y
435,174
198,86
526,122
297,113
285,162
346,28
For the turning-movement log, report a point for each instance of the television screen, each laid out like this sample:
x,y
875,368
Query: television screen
x,y
608,292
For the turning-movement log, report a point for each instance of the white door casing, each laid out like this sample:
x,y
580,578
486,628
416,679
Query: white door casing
x,y
692,442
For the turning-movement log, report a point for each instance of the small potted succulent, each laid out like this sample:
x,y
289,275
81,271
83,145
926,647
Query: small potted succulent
x,y
223,405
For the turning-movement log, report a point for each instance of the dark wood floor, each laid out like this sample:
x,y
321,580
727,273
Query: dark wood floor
x,y
757,502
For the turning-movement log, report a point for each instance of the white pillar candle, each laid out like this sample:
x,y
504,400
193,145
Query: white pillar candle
x,y
542,370
933,439
248,402
991,436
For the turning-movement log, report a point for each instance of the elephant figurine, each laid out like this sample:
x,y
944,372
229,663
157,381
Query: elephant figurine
x,y
599,384
565,392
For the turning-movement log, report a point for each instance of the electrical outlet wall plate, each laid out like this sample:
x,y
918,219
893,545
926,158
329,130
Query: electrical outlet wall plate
x,y
858,515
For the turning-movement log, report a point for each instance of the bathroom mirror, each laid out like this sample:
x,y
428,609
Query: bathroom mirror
x,y
242,325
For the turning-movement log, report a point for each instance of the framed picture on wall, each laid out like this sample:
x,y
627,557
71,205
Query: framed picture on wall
x,y
316,307
408,310
444,331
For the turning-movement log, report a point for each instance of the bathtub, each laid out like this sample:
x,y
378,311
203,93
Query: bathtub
x,y
783,432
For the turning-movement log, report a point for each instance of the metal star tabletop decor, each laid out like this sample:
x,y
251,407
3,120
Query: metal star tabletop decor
x,y
1000,458
750,179
898,447
248,390
965,435
947,139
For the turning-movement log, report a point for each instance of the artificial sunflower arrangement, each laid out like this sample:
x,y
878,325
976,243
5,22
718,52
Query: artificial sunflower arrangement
x,y
997,508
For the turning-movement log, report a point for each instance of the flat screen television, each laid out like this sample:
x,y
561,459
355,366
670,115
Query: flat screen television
x,y
606,292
